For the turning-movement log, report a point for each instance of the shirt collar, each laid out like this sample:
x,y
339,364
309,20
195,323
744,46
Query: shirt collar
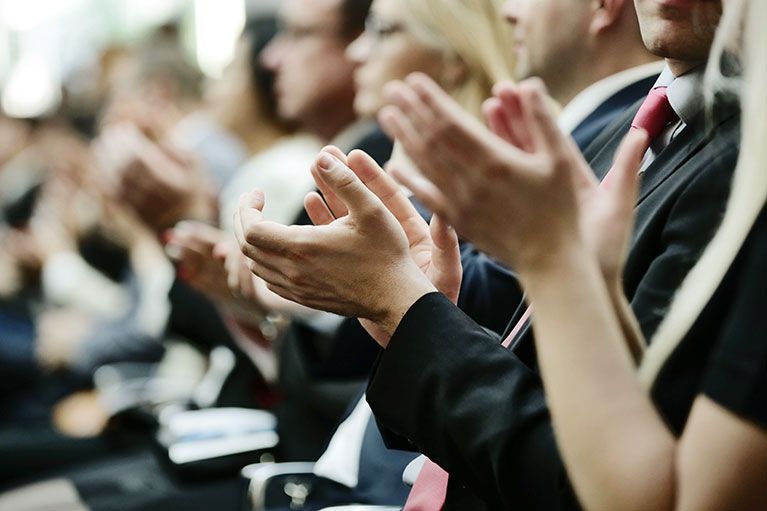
x,y
589,99
685,92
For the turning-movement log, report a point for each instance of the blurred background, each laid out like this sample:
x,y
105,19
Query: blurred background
x,y
53,52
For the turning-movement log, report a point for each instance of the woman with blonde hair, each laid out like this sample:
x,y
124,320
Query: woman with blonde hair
x,y
464,45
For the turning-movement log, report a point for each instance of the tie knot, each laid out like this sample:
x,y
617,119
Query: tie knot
x,y
655,113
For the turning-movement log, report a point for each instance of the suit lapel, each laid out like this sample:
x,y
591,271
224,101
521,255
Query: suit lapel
x,y
684,145
691,140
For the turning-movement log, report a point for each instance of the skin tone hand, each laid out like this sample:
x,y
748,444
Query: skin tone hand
x,y
620,454
161,185
487,184
433,247
490,190
605,209
358,265
523,190
191,245
253,297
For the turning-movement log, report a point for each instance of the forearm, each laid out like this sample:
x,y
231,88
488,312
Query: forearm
x,y
447,385
629,325
619,453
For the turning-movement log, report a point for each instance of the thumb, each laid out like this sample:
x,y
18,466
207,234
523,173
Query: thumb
x,y
255,199
446,258
345,184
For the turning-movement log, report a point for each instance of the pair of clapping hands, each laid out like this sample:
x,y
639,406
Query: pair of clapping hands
x,y
522,193
160,183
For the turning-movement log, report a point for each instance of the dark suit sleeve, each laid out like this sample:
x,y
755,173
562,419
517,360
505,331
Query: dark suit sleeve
x,y
490,292
471,406
689,226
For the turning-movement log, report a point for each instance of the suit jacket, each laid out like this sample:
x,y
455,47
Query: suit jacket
x,y
606,113
448,388
489,290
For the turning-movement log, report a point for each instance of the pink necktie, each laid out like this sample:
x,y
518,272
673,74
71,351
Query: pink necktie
x,y
430,488
655,114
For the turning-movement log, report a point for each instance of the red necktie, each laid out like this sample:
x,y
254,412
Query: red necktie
x,y
655,114
430,488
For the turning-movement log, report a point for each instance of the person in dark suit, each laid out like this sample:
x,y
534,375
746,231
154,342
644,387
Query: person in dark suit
x,y
594,65
703,419
480,410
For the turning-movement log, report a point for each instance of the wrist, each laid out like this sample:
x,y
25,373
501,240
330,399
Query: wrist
x,y
405,293
555,264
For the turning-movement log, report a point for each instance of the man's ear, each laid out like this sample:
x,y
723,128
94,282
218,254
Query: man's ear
x,y
606,15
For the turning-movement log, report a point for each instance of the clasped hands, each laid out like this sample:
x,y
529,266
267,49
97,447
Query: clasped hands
x,y
522,193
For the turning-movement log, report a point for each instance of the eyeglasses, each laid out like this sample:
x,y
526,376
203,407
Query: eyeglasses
x,y
379,29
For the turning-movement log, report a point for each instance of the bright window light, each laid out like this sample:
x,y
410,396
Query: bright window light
x,y
31,90
218,24
23,15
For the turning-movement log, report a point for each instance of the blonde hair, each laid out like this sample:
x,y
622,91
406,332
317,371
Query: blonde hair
x,y
471,31
749,188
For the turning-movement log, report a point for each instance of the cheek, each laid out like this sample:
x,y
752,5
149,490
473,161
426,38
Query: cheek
x,y
315,68
411,58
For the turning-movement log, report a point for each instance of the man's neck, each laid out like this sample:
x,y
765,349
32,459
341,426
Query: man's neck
x,y
328,127
261,137
596,67
680,67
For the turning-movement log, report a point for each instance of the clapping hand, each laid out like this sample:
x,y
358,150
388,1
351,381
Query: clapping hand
x,y
520,192
192,246
357,261
162,185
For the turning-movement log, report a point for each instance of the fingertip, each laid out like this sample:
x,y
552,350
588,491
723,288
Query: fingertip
x,y
326,162
362,163
392,88
335,151
256,199
388,118
173,251
490,106
221,251
419,80
503,87
537,86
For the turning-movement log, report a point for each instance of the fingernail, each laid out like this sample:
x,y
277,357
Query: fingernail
x,y
326,161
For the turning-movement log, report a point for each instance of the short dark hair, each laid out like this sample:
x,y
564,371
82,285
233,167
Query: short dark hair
x,y
354,13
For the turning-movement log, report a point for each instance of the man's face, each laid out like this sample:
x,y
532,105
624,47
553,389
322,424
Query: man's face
x,y
681,30
307,57
547,34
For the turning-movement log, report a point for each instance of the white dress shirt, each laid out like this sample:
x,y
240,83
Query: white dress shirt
x,y
589,99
